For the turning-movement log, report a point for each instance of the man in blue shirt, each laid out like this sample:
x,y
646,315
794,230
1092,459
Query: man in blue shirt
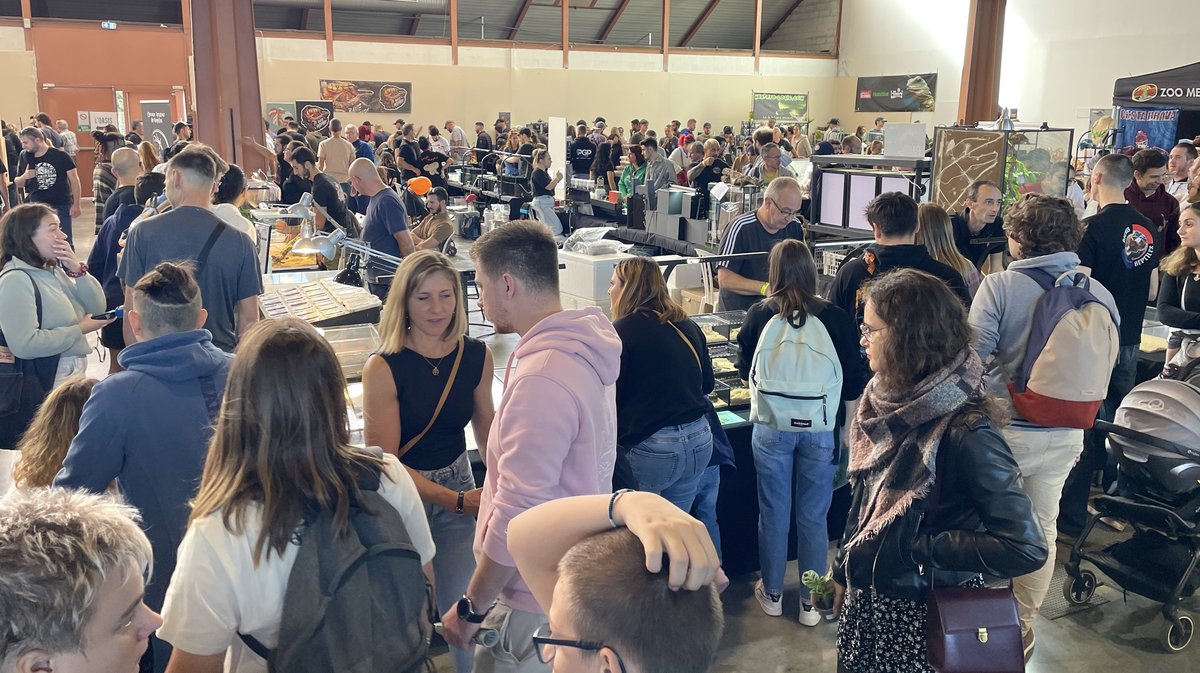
x,y
386,225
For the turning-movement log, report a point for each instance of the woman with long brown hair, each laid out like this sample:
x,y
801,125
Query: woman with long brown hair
x,y
45,443
281,446
794,310
426,383
936,233
934,486
148,156
663,438
1178,298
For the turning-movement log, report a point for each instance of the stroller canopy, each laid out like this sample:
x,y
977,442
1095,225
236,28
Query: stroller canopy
x,y
1165,409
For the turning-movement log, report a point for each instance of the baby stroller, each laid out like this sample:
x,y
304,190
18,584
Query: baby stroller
x,y
1155,436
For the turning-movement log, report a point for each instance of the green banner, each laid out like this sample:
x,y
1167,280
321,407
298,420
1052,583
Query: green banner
x,y
784,107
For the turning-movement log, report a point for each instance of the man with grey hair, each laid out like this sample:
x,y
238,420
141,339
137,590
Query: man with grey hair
x,y
71,590
226,262
770,165
744,281
172,386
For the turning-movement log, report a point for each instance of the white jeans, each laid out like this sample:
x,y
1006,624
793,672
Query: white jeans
x,y
68,366
1045,458
543,208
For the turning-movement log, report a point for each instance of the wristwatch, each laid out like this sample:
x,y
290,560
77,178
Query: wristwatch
x,y
458,508
466,611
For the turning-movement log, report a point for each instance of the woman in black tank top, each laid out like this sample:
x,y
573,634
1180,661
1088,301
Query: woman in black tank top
x,y
428,381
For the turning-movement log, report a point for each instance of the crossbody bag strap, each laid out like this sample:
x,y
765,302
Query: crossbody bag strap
x,y
442,401
688,342
37,293
208,245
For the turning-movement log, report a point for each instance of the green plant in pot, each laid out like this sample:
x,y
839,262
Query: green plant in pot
x,y
820,588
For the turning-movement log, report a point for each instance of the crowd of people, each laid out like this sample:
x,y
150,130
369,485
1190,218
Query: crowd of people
x,y
167,514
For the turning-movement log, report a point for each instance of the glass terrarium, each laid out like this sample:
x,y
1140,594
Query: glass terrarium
x,y
1022,161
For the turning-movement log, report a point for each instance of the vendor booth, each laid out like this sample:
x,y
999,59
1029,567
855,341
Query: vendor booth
x,y
1158,99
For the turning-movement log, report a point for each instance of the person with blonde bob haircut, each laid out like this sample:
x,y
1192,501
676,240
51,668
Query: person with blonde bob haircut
x,y
664,441
75,567
281,447
44,445
936,233
428,380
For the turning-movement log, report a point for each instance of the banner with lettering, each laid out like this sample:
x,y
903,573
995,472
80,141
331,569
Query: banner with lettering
x,y
784,107
896,93
1139,128
157,126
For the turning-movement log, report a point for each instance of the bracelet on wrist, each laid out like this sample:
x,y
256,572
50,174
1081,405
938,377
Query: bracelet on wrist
x,y
612,503
763,290
458,508
83,269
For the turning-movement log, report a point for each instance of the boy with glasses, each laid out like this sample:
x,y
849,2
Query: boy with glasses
x,y
595,564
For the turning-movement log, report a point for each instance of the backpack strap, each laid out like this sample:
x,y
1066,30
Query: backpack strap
x,y
1039,276
255,646
208,245
37,293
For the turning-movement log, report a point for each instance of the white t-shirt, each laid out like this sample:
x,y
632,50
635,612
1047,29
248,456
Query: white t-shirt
x,y
230,215
216,592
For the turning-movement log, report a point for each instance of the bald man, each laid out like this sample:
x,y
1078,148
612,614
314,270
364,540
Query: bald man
x,y
126,166
385,227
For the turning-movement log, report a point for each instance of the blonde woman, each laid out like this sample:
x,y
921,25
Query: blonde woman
x,y
44,445
1178,298
427,382
281,446
935,232
543,192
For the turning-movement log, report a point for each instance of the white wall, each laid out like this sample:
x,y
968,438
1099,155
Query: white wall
x,y
1060,58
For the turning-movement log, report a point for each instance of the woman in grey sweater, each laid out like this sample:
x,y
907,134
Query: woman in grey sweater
x,y
1043,234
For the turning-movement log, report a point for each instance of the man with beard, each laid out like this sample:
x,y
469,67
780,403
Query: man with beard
x,y
327,193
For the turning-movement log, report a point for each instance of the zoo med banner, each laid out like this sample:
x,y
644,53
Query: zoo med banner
x,y
1177,86
784,107
896,93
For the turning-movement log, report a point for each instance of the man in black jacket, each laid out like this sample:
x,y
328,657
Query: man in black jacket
x,y
893,217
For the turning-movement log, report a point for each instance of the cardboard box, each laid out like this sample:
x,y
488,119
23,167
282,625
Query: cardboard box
x,y
693,301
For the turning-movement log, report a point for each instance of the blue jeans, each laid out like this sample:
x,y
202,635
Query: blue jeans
x,y
671,461
795,478
705,506
453,535
64,221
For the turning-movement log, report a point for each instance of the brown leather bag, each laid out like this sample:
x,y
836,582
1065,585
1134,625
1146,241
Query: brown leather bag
x,y
974,630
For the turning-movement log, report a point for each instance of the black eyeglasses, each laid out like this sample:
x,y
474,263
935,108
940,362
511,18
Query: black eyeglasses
x,y
786,212
547,646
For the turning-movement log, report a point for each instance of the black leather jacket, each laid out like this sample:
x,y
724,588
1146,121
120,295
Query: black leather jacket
x,y
983,523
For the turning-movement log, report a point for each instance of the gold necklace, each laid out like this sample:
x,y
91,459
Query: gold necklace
x,y
435,367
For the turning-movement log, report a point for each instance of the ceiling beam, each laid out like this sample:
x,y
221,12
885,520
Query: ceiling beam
x,y
612,21
757,33
786,15
516,24
454,32
328,30
698,23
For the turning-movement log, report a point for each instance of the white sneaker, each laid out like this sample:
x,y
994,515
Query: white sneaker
x,y
770,604
809,615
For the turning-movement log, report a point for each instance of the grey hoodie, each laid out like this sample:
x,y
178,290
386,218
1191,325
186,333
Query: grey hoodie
x,y
1002,316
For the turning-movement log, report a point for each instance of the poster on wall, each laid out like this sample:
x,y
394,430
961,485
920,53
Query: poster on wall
x,y
83,121
120,96
102,119
1140,128
896,93
275,113
355,96
156,123
314,115
784,107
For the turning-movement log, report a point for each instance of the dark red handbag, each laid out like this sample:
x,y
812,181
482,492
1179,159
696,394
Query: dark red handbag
x,y
974,630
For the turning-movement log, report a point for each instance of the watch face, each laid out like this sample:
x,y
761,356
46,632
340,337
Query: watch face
x,y
464,608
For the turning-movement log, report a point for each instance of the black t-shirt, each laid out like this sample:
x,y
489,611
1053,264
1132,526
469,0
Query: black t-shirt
x,y
120,196
603,162
434,165
418,392
483,145
49,184
408,152
709,175
1122,248
293,188
660,383
977,254
540,181
844,293
328,194
583,154
285,170
746,234
525,150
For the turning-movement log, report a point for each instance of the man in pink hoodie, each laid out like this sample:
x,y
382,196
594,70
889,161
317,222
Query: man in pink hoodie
x,y
554,434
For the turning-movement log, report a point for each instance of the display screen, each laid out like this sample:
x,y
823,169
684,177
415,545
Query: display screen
x,y
833,194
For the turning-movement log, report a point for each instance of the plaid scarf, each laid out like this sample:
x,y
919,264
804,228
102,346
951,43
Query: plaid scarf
x,y
894,441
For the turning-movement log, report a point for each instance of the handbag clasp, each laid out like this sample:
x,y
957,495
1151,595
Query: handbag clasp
x,y
982,634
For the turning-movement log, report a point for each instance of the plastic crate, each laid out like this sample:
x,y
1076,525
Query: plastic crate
x,y
830,261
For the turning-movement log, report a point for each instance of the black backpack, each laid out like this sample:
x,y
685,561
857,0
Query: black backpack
x,y
358,603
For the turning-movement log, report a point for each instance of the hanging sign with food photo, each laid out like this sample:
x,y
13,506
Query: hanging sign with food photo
x,y
355,96
314,115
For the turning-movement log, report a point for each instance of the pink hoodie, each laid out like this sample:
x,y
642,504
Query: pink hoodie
x,y
555,432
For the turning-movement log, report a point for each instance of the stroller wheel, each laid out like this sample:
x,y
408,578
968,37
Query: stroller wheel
x,y
1175,635
1079,590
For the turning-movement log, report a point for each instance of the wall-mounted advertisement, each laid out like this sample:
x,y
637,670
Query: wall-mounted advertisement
x,y
276,113
314,115
1140,128
156,123
784,107
896,93
355,96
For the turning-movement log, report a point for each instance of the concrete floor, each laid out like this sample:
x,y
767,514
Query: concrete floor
x,y
1121,636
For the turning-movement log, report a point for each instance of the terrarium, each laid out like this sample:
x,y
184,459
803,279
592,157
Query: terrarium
x,y
1022,161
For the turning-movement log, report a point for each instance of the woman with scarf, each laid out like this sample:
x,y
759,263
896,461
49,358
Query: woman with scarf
x,y
923,434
